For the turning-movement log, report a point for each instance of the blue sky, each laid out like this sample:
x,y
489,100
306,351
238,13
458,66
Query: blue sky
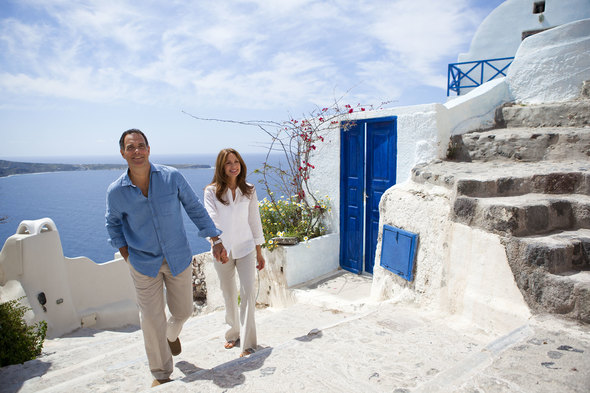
x,y
75,74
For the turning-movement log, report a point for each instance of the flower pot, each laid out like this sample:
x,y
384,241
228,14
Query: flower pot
x,y
285,240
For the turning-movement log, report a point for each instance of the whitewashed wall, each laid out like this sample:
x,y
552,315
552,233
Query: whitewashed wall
x,y
454,260
500,34
423,133
78,291
551,66
417,142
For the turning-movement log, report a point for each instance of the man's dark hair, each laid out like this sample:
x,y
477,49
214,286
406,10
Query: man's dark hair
x,y
131,131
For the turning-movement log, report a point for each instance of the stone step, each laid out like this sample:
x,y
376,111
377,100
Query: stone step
x,y
547,183
574,113
529,214
557,253
545,282
525,144
491,179
566,294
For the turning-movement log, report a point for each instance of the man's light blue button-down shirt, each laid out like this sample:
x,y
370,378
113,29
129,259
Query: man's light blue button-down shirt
x,y
152,228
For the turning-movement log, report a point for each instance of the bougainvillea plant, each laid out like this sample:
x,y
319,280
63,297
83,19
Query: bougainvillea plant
x,y
287,182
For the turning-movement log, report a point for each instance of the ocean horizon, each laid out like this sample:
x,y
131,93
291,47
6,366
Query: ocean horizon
x,y
76,200
206,159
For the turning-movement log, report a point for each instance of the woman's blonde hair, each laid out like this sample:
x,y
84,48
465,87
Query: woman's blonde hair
x,y
220,178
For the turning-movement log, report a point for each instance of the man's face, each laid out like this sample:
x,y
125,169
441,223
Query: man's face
x,y
135,151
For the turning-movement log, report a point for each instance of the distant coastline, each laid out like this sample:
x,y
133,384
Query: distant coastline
x,y
9,168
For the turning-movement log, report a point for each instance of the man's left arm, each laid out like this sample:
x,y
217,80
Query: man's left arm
x,y
199,216
195,209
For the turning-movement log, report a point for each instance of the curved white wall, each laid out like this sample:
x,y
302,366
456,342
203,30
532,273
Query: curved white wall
x,y
551,66
500,34
78,291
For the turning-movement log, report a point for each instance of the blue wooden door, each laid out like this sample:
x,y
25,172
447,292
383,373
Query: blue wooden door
x,y
352,187
381,164
368,168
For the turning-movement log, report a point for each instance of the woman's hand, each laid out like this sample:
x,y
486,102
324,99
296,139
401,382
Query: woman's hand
x,y
259,258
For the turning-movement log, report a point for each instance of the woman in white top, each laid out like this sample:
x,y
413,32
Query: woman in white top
x,y
233,205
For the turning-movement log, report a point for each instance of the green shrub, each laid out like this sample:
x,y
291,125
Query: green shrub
x,y
18,341
287,217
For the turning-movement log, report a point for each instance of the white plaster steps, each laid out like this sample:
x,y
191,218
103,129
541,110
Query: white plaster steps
x,y
89,356
402,349
95,361
524,215
392,347
339,290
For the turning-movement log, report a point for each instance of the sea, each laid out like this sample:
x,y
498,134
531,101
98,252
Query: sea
x,y
75,200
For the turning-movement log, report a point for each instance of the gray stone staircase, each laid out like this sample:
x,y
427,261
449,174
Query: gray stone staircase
x,y
528,181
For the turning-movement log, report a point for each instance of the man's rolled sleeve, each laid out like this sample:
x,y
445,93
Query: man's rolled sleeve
x,y
114,225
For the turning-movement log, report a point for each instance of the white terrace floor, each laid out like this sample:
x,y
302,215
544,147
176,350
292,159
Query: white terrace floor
x,y
332,340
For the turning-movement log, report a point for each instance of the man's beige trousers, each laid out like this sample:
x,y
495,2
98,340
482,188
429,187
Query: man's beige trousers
x,y
156,329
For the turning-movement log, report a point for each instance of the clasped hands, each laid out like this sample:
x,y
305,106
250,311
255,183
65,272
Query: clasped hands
x,y
219,253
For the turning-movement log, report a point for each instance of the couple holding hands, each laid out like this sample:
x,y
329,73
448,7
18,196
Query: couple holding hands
x,y
144,221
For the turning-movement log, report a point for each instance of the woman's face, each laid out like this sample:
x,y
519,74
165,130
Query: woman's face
x,y
232,167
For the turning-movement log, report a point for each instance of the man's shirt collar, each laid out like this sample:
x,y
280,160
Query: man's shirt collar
x,y
126,180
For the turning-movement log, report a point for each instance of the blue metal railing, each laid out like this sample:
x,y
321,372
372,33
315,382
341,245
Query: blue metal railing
x,y
474,73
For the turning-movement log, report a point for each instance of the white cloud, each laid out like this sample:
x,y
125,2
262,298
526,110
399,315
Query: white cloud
x,y
234,53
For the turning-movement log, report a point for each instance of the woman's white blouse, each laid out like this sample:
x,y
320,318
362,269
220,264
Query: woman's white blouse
x,y
239,221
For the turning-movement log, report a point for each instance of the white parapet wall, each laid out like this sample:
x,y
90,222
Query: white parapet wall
x,y
289,266
475,110
77,291
309,260
103,294
286,268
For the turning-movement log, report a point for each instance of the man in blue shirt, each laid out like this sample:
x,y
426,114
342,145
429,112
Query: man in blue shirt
x,y
144,221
